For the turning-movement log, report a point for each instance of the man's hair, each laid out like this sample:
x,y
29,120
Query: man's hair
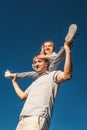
x,y
37,55
45,59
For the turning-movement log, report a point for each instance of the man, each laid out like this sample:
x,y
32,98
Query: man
x,y
40,95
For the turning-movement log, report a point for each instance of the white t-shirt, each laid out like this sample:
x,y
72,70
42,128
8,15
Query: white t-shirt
x,y
41,96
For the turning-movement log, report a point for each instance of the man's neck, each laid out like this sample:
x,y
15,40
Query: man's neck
x,y
40,73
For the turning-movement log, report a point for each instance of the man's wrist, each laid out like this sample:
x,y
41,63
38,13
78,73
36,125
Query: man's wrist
x,y
14,82
68,51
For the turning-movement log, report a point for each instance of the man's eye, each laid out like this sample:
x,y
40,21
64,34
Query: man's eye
x,y
39,61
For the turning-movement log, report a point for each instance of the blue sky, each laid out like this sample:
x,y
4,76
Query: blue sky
x,y
24,25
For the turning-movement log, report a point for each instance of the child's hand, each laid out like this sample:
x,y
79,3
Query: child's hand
x,y
44,56
42,50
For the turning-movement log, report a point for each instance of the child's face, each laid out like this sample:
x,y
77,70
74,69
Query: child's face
x,y
48,48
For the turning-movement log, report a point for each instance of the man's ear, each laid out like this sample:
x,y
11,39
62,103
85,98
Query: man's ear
x,y
47,64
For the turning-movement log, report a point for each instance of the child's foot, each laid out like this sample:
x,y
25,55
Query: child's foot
x,y
7,74
71,33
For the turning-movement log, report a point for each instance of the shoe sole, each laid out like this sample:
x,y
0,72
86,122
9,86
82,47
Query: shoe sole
x,y
71,33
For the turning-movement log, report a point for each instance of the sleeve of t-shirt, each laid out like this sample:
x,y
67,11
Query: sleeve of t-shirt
x,y
55,76
27,90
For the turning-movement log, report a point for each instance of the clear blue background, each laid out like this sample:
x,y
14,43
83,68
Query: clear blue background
x,y
24,25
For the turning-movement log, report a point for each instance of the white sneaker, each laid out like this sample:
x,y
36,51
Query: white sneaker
x,y
71,33
7,73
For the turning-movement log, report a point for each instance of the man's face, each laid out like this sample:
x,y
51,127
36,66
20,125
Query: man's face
x,y
40,65
48,48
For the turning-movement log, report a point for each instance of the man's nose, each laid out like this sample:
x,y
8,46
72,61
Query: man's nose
x,y
36,64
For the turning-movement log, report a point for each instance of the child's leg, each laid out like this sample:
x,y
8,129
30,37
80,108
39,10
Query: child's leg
x,y
71,33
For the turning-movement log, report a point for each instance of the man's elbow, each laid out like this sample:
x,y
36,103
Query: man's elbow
x,y
23,97
68,76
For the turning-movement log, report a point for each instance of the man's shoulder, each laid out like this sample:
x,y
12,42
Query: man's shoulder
x,y
49,73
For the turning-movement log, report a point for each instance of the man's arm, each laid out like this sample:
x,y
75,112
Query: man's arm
x,y
67,73
21,94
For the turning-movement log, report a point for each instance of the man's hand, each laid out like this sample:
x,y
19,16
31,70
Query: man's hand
x,y
14,79
68,46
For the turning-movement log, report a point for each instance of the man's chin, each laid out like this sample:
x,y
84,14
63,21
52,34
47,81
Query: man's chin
x,y
39,71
